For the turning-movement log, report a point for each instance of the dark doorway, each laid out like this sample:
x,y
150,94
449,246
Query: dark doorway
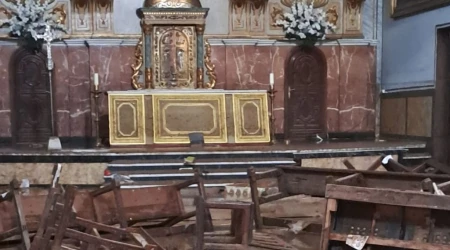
x,y
305,93
441,100
31,99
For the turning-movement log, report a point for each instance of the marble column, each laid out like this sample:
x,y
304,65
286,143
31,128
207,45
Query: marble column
x,y
147,29
200,55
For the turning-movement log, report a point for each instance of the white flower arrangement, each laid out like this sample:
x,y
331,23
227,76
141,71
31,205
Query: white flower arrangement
x,y
305,22
30,18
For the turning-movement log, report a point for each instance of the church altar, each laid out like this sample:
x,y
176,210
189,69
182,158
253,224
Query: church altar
x,y
146,117
174,79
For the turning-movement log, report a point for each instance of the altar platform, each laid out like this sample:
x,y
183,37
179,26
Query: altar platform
x,y
223,165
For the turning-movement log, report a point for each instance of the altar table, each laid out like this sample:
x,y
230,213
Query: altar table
x,y
148,117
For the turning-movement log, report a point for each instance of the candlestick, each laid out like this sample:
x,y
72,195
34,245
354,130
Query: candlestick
x,y
96,81
272,80
272,92
96,93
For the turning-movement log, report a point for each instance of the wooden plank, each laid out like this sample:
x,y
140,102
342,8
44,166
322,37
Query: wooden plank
x,y
331,207
289,207
388,197
414,245
312,181
139,204
20,215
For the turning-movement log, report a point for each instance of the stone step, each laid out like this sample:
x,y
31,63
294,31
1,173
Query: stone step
x,y
185,175
417,156
167,165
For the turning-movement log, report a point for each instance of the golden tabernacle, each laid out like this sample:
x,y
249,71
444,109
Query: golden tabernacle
x,y
174,79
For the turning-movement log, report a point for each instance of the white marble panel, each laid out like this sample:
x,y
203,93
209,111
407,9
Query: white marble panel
x,y
126,22
369,9
217,19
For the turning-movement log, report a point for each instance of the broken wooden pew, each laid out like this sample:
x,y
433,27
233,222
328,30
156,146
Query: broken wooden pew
x,y
382,217
13,196
56,229
241,231
312,181
116,204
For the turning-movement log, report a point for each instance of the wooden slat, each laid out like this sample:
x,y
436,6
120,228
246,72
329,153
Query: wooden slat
x,y
312,181
388,197
414,245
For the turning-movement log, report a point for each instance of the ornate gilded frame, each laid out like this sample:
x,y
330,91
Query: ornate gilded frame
x,y
144,67
405,8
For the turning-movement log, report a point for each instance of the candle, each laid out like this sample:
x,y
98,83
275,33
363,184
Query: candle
x,y
272,80
96,81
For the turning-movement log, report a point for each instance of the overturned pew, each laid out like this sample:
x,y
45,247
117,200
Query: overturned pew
x,y
312,181
360,217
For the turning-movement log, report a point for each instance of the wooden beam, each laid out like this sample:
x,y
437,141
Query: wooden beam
x,y
388,197
415,245
405,8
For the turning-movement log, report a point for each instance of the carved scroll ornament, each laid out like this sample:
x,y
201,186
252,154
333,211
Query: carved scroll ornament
x,y
210,67
137,65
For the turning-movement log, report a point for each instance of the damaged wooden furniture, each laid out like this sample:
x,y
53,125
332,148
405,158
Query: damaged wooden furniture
x,y
116,204
21,214
382,217
312,181
55,230
13,195
241,231
432,166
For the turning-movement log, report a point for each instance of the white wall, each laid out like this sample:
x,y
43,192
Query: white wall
x,y
409,44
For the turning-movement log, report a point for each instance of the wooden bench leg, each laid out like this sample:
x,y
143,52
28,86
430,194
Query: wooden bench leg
x,y
200,223
331,207
63,222
15,188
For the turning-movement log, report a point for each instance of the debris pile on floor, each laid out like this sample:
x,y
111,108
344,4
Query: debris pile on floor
x,y
301,208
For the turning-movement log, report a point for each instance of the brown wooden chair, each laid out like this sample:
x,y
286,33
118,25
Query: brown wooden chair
x,y
60,216
241,231
116,204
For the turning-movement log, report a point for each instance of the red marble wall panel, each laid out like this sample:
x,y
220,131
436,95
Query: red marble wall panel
x,y
350,82
113,65
79,91
218,58
5,100
61,91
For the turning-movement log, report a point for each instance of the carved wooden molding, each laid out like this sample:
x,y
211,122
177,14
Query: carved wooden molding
x,y
404,8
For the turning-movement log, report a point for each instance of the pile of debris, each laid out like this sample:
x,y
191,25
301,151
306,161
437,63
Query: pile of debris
x,y
115,217
400,208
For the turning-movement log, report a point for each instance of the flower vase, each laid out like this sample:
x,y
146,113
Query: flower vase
x,y
307,42
31,44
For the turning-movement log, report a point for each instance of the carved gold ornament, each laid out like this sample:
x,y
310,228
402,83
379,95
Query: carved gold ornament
x,y
258,3
60,12
317,3
210,67
332,15
6,12
139,60
276,13
354,4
